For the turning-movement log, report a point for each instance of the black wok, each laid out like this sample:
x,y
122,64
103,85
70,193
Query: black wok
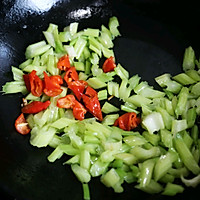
x,y
154,36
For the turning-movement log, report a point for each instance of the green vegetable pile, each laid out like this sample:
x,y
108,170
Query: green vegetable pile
x,y
155,158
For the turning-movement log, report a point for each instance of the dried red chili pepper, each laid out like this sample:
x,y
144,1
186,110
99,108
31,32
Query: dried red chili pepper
x,y
36,84
71,75
27,82
21,125
91,102
79,111
66,102
127,121
109,65
63,63
78,88
51,87
35,107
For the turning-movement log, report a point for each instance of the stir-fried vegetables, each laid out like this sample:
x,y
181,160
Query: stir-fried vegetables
x,y
149,138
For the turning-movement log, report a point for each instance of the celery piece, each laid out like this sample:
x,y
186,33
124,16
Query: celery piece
x,y
191,182
91,32
128,108
177,173
65,36
146,172
188,59
69,149
110,178
187,139
17,74
79,66
41,118
38,69
152,138
143,154
96,83
25,63
44,58
110,119
95,44
98,168
124,92
109,108
152,188
82,76
105,40
172,189
50,38
86,52
79,46
107,156
121,72
14,87
195,133
179,125
195,89
186,155
72,28
51,65
167,118
134,140
73,160
41,137
127,158
134,81
107,52
85,159
113,27
106,77
164,164
102,95
166,138
169,107
191,116
96,71
62,123
94,59
81,173
86,191
95,49
193,74
164,80
184,79
113,89
36,49
30,120
182,100
153,122
87,67
56,154
167,178
138,100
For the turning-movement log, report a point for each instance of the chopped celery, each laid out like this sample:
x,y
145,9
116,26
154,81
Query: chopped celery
x,y
86,191
96,83
153,122
17,74
110,119
184,79
14,87
113,89
102,95
56,154
172,189
121,72
109,108
113,26
189,59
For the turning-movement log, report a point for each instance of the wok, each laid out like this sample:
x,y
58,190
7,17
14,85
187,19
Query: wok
x,y
154,36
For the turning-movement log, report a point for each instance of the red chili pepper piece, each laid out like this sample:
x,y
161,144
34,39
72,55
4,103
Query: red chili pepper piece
x,y
71,75
78,88
21,125
79,111
35,107
91,102
51,87
127,121
66,102
36,84
56,79
63,63
27,82
109,65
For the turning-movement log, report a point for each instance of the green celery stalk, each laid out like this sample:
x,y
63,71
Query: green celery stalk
x,y
85,159
184,79
82,174
86,191
146,172
102,94
113,89
91,32
109,108
186,154
179,125
98,168
188,59
193,74
128,158
96,83
17,74
79,46
121,72
56,154
172,189
113,27
14,87
110,119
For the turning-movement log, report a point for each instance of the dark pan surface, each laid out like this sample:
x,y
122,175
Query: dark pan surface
x,y
154,36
